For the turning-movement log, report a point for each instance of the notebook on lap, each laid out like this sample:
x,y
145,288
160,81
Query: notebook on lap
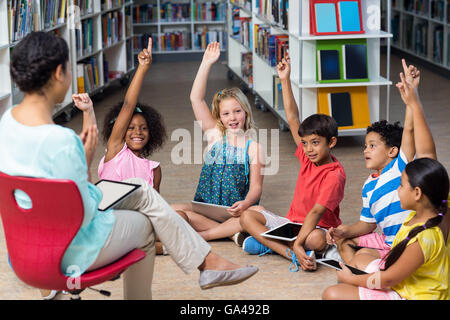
x,y
213,211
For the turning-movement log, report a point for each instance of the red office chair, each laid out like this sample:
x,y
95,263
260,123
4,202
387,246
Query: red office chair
x,y
37,238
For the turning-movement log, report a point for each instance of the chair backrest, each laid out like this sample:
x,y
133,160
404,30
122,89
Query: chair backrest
x,y
37,238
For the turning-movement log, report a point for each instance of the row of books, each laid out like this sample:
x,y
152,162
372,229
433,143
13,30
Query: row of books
x,y
110,4
140,41
204,37
85,6
423,7
83,38
111,28
280,12
145,13
88,75
209,11
270,47
247,68
22,19
171,12
53,12
241,29
176,40
421,38
264,8
246,4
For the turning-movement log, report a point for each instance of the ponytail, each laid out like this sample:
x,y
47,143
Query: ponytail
x,y
432,178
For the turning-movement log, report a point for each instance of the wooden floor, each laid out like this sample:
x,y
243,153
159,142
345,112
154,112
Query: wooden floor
x,y
167,88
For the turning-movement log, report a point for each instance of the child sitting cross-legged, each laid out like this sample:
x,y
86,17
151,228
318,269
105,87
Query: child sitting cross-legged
x,y
388,148
319,189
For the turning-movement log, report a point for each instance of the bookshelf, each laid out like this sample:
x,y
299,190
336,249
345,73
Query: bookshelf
x,y
98,58
179,26
422,28
294,25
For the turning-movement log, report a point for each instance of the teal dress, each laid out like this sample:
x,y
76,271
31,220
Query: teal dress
x,y
224,179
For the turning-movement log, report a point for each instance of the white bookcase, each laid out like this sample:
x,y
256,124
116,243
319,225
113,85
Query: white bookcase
x,y
118,54
422,28
189,24
302,51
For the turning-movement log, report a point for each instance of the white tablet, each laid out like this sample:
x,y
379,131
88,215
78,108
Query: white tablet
x,y
287,232
114,192
213,211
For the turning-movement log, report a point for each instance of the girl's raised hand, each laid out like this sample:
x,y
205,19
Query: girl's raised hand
x,y
412,74
212,53
82,101
145,56
284,68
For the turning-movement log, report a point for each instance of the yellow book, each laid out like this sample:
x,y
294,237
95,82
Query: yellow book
x,y
359,104
80,78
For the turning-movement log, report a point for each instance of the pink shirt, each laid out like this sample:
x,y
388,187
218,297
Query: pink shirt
x,y
127,165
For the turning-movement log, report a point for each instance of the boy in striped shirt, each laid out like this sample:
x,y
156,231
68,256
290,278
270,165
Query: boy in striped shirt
x,y
388,148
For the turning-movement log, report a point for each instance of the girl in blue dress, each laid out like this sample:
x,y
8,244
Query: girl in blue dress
x,y
232,172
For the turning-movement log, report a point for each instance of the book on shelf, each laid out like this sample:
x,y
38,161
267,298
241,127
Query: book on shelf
x,y
349,106
340,108
204,36
421,38
209,11
145,13
437,46
328,17
247,68
270,47
53,12
110,4
438,9
83,38
88,75
328,65
175,40
342,60
111,27
86,6
173,12
22,19
277,94
264,8
354,61
140,41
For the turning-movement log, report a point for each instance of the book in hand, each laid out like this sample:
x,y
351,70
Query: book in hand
x,y
328,65
341,108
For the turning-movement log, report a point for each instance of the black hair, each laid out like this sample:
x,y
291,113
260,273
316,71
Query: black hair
x,y
35,58
432,178
155,123
390,133
320,124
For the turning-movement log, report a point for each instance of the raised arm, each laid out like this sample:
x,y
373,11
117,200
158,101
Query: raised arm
x,y
423,139
290,106
117,138
201,110
412,76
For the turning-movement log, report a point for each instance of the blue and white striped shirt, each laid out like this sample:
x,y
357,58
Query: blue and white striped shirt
x,y
381,204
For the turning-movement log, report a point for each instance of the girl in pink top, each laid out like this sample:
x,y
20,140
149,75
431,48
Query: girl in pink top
x,y
132,132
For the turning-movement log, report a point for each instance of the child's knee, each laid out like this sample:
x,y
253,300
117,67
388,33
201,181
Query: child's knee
x,y
331,293
316,240
257,208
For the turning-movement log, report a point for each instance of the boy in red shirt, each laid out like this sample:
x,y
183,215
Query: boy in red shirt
x,y
319,189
